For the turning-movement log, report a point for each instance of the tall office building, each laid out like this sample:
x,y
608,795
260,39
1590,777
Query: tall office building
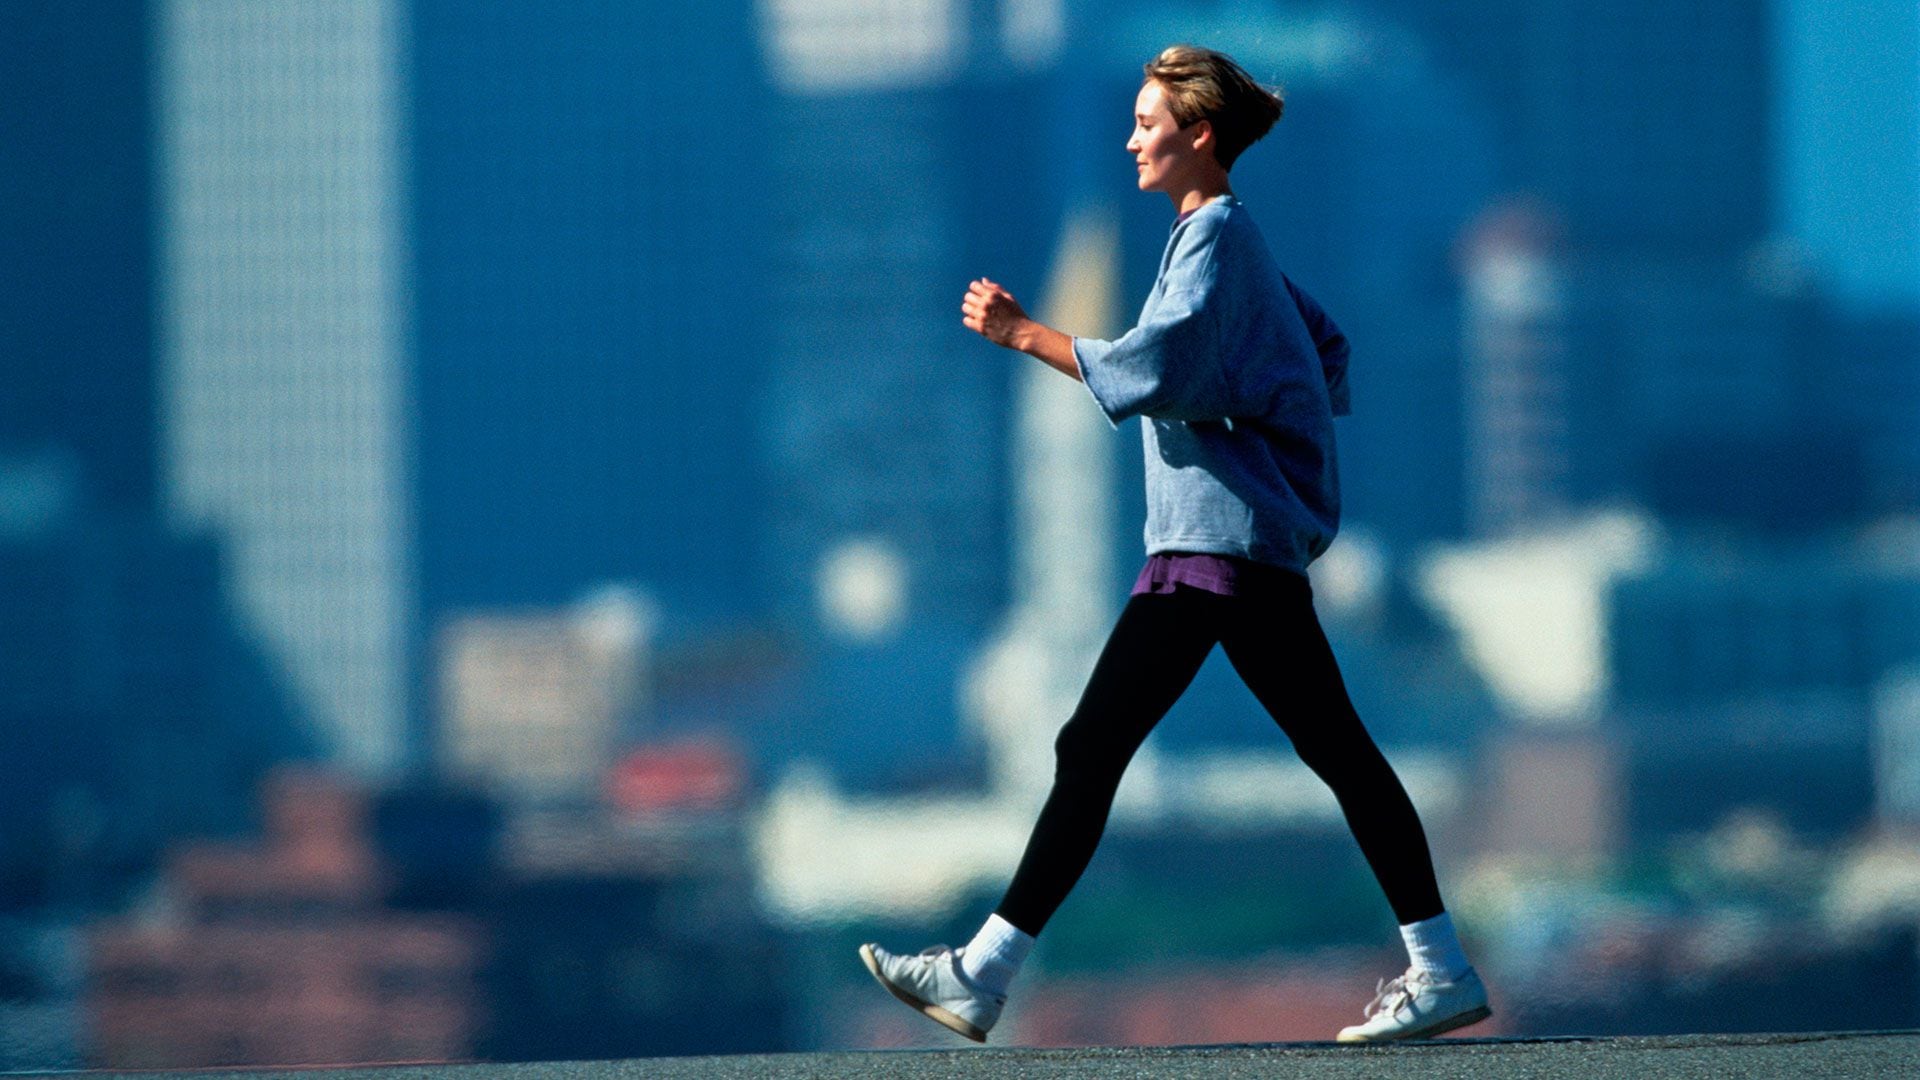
x,y
1896,748
282,331
590,320
885,423
1516,359
132,703
1763,674
76,280
1646,123
1585,376
1646,131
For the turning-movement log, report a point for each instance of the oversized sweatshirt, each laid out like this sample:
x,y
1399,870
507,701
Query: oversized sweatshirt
x,y
1237,374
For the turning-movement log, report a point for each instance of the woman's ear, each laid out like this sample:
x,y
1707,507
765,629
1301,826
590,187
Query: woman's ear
x,y
1201,132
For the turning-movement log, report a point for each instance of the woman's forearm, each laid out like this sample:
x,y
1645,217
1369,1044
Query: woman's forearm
x,y
1049,346
993,313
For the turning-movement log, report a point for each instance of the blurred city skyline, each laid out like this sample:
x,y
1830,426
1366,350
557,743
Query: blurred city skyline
x,y
413,101
568,405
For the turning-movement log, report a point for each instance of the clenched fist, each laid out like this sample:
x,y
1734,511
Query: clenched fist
x,y
994,314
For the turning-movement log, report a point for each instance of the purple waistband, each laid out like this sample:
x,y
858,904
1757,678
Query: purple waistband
x,y
1220,574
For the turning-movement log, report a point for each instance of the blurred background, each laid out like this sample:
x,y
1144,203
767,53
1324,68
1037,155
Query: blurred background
x,y
507,552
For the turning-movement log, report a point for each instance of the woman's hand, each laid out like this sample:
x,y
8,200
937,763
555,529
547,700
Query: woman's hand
x,y
994,314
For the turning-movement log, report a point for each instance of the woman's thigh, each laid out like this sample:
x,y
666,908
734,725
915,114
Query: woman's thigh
x,y
1150,658
1277,646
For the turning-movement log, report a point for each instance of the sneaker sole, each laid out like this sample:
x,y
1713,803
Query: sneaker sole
x,y
1460,1020
933,1012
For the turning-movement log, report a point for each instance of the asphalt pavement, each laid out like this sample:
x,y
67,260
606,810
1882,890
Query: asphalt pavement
x,y
1811,1055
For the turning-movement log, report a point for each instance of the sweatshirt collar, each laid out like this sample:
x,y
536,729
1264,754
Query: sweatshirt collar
x,y
1225,196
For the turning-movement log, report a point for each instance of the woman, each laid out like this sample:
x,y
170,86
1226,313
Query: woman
x,y
1238,374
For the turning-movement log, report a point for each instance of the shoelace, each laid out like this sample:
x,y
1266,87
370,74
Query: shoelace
x,y
934,954
1391,995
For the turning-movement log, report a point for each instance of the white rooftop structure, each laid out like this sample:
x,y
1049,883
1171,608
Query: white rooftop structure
x,y
1530,610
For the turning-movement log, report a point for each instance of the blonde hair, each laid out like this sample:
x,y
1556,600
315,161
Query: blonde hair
x,y
1202,84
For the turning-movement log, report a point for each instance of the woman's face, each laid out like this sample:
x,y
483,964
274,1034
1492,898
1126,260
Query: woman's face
x,y
1163,153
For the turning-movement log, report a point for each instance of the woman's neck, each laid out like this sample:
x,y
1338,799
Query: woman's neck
x,y
1199,195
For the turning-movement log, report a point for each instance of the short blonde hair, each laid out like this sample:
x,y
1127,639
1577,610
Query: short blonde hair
x,y
1202,84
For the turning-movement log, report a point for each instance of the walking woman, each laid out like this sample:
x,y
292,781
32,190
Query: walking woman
x,y
1238,375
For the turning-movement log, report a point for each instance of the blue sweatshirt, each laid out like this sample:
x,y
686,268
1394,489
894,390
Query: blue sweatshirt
x,y
1238,374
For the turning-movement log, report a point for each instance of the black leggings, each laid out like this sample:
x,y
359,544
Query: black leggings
x,y
1275,642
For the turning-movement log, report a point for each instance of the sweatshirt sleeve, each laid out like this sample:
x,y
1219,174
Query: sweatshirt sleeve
x,y
1330,343
1167,367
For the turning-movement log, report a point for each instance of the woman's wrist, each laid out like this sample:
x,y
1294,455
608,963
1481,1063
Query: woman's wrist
x,y
1027,337
1051,347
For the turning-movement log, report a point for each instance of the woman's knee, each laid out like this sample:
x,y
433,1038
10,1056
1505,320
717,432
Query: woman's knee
x,y
1083,751
1340,749
1364,774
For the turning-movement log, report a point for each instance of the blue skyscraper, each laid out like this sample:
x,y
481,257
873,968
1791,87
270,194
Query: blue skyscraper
x,y
589,331
76,227
136,699
1644,122
282,305
883,423
1644,134
1743,674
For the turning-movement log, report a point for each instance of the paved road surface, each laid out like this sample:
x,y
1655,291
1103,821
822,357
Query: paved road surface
x,y
1846,1054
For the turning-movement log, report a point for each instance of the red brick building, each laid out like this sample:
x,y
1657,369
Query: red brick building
x,y
281,954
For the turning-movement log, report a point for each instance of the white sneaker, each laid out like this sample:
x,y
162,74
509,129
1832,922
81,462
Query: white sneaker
x,y
1414,1006
932,983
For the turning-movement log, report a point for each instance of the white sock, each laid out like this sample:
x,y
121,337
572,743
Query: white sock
x,y
1434,948
995,954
